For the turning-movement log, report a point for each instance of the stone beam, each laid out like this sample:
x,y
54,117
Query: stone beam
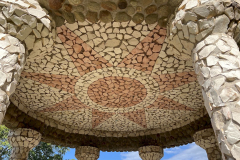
x,y
203,31
22,141
151,152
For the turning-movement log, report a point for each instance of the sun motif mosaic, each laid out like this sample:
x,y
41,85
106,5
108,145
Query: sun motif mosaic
x,y
110,77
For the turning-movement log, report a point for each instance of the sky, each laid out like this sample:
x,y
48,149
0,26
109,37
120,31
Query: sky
x,y
186,152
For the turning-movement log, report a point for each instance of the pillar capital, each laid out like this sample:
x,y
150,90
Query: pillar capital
x,y
23,140
87,153
206,139
151,152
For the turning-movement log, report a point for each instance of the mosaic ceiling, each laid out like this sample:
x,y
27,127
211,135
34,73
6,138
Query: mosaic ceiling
x,y
109,78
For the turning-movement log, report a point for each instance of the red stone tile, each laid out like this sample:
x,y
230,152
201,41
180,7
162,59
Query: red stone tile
x,y
99,117
77,48
163,32
138,117
62,82
62,37
80,53
147,50
72,103
117,92
170,81
165,103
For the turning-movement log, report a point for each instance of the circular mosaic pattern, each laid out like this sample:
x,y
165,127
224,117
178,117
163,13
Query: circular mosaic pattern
x,y
148,84
117,92
76,87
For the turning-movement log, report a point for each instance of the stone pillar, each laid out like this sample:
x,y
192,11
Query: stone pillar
x,y
151,152
12,57
22,141
87,153
217,64
24,29
203,31
207,140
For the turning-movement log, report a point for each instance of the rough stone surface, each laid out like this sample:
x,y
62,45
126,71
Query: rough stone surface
x,y
218,76
14,61
115,75
92,17
164,9
122,17
151,19
151,9
122,4
87,152
84,48
78,15
108,5
105,16
75,2
207,140
22,141
12,51
151,152
55,4
110,143
138,18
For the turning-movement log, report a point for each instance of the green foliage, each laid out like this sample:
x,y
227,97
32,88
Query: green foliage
x,y
47,151
44,151
5,147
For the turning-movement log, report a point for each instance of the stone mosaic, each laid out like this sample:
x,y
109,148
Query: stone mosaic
x,y
123,68
144,56
151,152
151,11
22,141
107,96
15,117
84,57
117,92
87,152
207,140
76,62
115,40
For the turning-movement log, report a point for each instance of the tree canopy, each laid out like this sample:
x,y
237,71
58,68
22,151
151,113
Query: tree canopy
x,y
44,150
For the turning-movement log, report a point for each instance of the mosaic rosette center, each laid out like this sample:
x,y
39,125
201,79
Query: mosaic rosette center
x,y
113,89
117,92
